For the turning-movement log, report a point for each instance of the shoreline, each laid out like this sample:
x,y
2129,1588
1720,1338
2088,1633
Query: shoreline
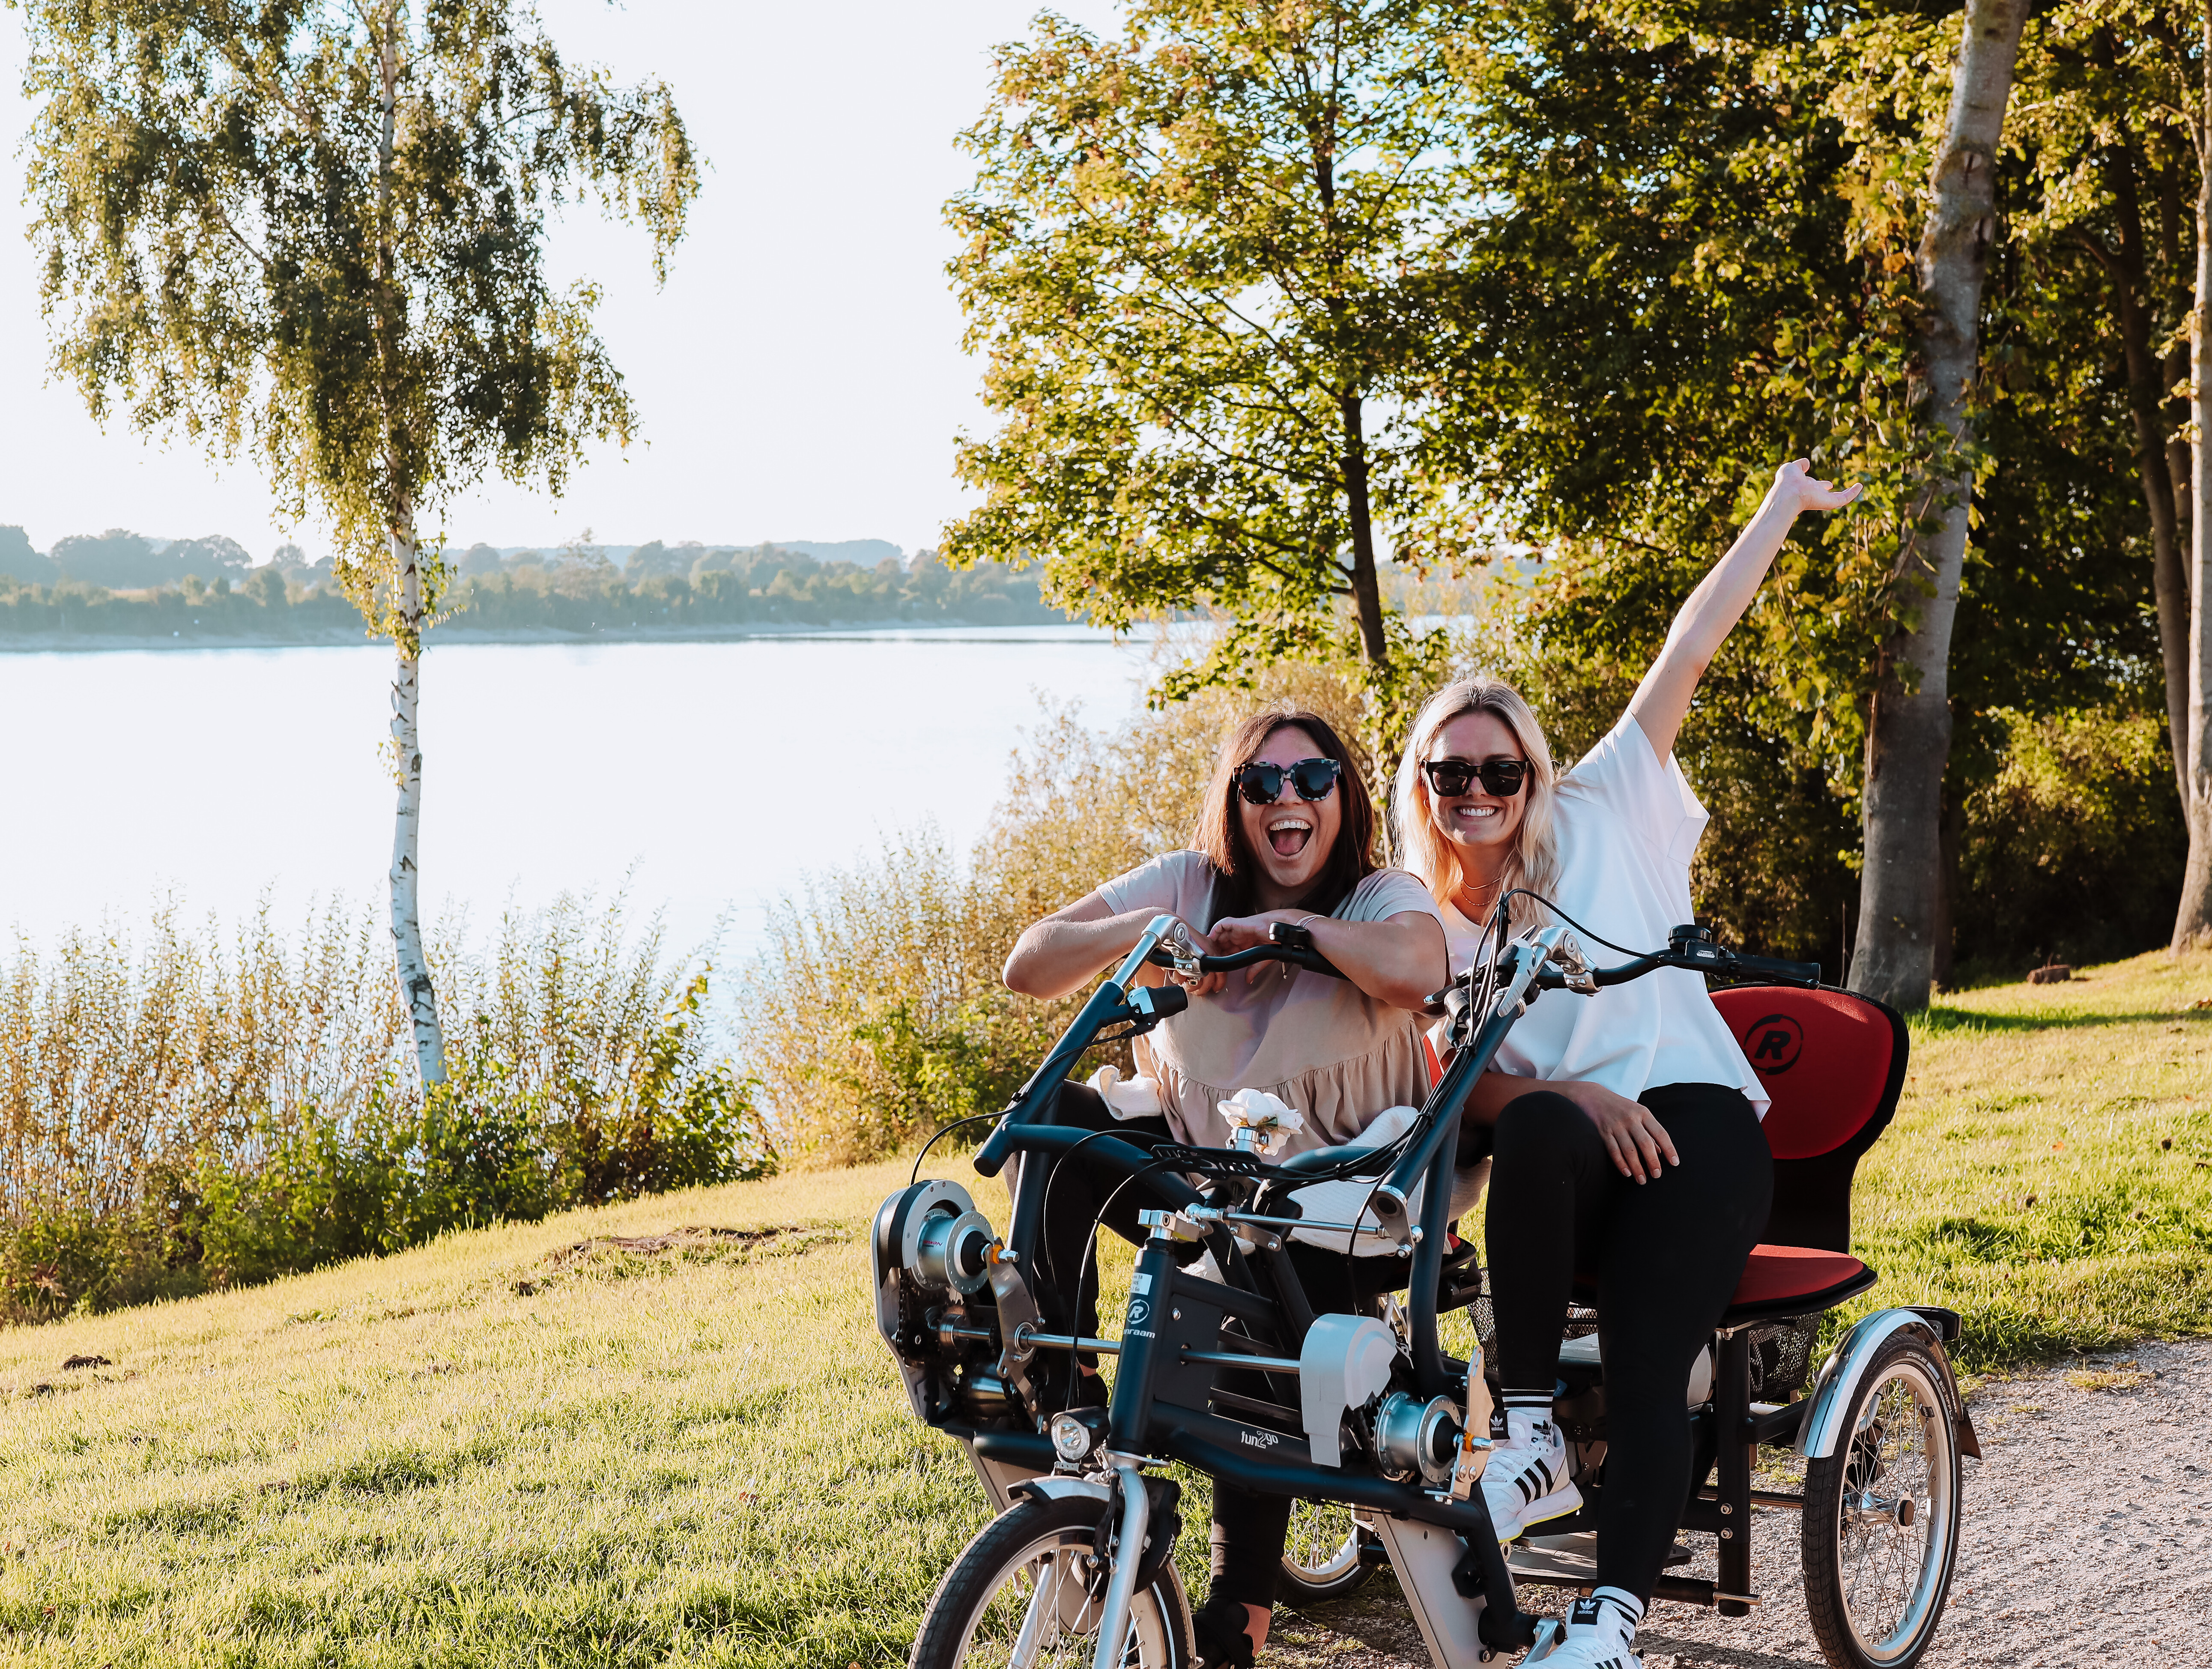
x,y
1057,631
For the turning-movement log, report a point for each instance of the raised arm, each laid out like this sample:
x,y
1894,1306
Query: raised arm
x,y
1664,697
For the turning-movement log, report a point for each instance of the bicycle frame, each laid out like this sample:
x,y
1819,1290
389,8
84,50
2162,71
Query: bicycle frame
x,y
1184,1334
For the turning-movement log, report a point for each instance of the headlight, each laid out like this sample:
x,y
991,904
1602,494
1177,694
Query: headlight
x,y
1076,1434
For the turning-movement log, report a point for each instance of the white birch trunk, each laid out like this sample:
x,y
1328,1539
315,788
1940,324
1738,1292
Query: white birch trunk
x,y
2192,921
1909,729
415,987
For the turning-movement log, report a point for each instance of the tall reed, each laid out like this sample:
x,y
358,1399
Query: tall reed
x,y
201,1109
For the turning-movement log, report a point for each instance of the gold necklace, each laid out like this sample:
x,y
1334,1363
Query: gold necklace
x,y
1470,892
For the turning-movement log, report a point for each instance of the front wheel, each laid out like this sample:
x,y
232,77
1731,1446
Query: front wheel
x,y
1882,1514
1322,1555
1025,1594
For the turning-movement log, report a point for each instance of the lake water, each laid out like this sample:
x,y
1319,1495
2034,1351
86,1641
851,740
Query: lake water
x,y
713,776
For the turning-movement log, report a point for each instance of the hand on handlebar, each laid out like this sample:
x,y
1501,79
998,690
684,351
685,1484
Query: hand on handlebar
x,y
1235,933
1200,985
1636,1139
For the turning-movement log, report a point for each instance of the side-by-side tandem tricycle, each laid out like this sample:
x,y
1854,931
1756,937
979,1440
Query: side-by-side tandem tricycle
x,y
1222,1364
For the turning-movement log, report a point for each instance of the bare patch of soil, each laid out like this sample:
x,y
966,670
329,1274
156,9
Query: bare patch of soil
x,y
616,1256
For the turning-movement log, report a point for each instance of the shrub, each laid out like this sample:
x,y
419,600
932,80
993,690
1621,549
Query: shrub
x,y
200,1116
2074,847
877,1015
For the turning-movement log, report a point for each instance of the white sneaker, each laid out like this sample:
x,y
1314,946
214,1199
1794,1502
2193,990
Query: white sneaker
x,y
1596,1635
1526,1481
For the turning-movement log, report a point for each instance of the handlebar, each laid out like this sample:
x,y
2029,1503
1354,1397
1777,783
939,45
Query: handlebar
x,y
1288,944
1715,960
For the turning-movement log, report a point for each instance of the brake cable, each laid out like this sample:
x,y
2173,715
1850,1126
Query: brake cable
x,y
914,1175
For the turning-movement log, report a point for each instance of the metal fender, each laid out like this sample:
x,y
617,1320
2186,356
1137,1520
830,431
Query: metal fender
x,y
1057,1488
1839,1381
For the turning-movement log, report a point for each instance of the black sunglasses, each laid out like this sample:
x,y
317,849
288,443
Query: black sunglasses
x,y
1451,777
1314,779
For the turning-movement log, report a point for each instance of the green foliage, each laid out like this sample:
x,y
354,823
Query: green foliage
x,y
1201,259
200,1117
2074,845
763,587
1701,261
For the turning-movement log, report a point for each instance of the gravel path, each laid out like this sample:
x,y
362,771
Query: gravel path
x,y
2087,1541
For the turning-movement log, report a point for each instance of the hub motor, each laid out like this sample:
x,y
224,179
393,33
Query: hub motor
x,y
1416,1439
931,1250
952,1249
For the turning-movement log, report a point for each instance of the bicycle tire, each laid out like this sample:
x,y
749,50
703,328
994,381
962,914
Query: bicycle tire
x,y
1323,1557
1876,1575
964,1608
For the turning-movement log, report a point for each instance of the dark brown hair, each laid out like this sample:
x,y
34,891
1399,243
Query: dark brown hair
x,y
1220,831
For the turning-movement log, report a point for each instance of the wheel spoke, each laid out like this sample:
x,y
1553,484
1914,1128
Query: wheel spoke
x,y
1040,1622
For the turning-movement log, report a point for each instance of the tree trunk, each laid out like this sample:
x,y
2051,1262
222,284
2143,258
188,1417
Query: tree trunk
x,y
1909,729
2169,583
415,987
1366,587
2192,922
2176,377
415,984
1951,836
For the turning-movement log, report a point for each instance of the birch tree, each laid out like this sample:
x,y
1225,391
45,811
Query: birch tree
x,y
1909,724
2192,921
314,231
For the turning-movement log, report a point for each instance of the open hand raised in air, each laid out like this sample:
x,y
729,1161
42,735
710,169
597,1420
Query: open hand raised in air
x,y
1796,490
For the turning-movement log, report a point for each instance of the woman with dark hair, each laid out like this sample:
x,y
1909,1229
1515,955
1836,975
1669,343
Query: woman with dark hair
x,y
1287,832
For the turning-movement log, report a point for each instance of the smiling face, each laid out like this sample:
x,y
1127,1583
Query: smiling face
x,y
1290,841
1479,825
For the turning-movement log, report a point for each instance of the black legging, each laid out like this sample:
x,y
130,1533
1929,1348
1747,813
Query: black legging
x,y
1666,1255
1248,1529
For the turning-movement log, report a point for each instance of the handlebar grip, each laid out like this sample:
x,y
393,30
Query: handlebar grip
x,y
1291,933
1786,973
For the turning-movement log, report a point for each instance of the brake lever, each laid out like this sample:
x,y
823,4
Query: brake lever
x,y
1176,950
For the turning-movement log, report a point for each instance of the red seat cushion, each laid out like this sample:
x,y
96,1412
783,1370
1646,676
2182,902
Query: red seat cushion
x,y
1781,1274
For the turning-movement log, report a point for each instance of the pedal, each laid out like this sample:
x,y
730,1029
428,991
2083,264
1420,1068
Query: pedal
x,y
1544,1551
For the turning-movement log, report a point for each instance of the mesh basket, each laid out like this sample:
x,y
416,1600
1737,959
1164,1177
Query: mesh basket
x,y
1579,1322
1781,1357
1781,1351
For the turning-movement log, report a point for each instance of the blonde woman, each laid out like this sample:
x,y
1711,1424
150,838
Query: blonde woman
x,y
1639,1159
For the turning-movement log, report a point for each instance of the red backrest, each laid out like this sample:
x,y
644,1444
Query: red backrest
x,y
1833,1065
1831,1062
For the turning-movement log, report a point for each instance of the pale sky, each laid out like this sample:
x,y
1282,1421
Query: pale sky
x,y
800,376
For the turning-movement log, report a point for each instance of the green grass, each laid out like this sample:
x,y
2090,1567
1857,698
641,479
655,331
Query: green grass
x,y
2049,1174
492,1450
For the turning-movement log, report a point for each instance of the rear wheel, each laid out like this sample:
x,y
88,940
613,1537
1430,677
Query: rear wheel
x,y
1025,1594
1882,1514
1321,1558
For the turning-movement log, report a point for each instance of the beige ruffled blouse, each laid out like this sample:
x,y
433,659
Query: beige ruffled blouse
x,y
1328,1049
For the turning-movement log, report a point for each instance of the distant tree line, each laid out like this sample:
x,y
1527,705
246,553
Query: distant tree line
x,y
121,583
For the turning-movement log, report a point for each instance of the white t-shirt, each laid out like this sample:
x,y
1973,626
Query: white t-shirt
x,y
1627,827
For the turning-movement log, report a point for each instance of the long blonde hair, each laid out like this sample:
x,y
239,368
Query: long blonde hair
x,y
1534,861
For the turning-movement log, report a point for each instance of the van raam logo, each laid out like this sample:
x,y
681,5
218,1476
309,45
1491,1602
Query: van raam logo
x,y
1140,1311
1773,1044
1258,1440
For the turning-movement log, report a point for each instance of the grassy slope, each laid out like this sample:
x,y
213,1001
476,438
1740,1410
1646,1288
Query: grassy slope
x,y
699,1456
